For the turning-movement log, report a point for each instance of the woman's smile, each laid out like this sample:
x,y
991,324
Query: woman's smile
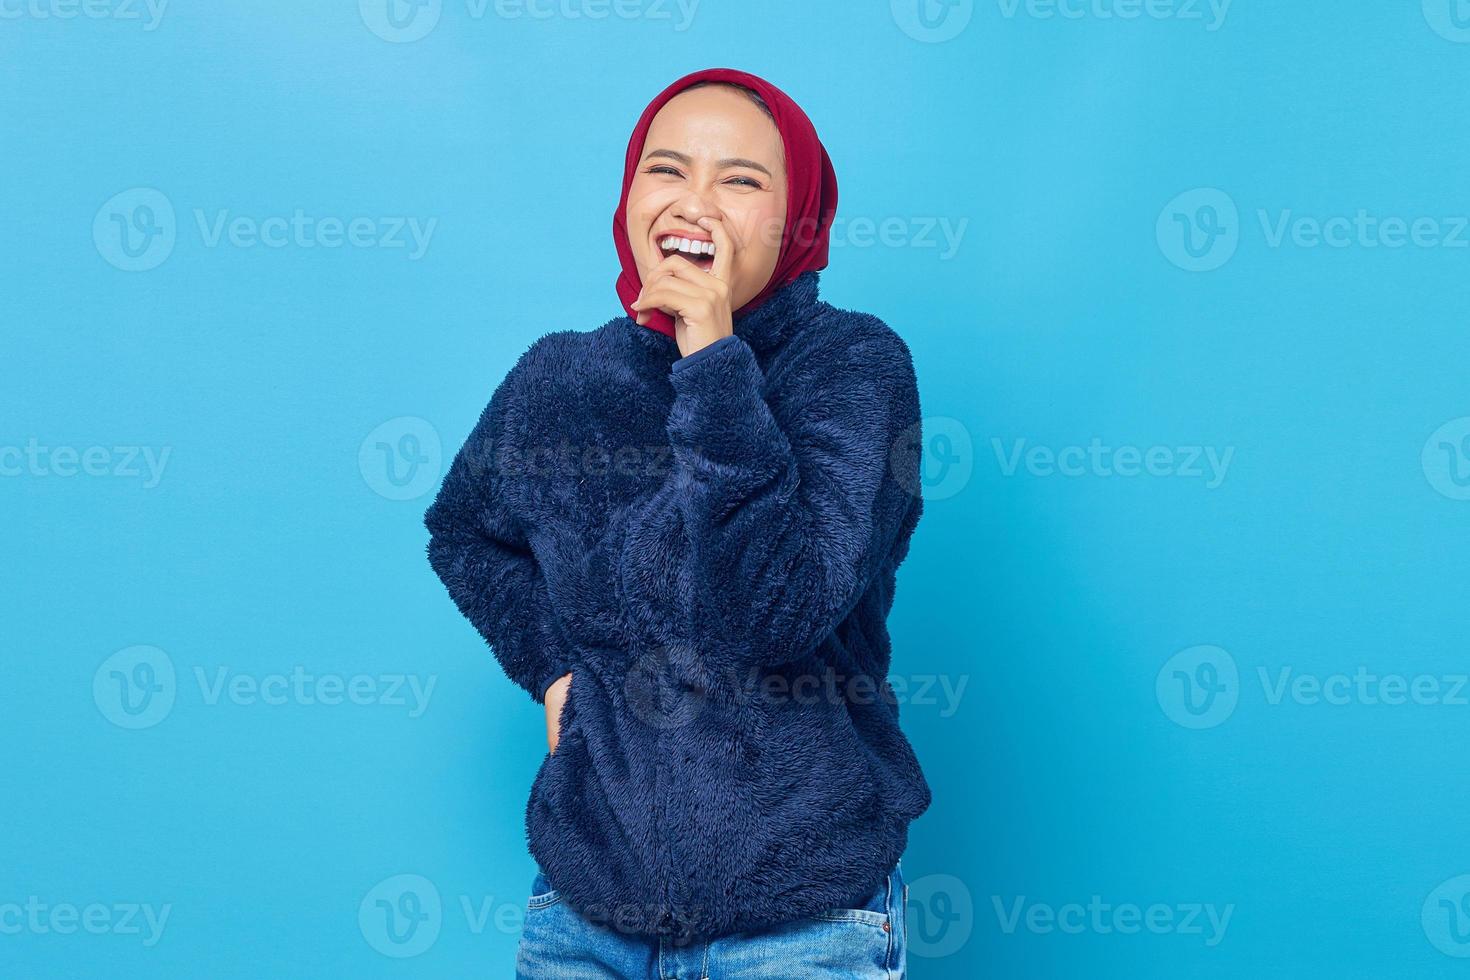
x,y
696,246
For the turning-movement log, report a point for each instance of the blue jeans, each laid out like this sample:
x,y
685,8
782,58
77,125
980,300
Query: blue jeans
x,y
869,942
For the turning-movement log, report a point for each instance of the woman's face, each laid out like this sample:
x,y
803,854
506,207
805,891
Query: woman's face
x,y
712,152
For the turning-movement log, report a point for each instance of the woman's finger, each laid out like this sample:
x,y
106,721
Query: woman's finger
x,y
673,296
724,247
712,287
674,267
672,287
648,282
664,268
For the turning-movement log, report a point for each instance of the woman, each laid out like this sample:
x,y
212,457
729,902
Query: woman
x,y
679,532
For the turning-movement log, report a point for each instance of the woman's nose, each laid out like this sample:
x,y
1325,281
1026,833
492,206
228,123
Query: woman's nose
x,y
693,206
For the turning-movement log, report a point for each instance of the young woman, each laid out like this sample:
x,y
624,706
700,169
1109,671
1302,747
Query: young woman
x,y
679,532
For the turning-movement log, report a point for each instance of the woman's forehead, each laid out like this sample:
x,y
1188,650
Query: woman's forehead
x,y
719,119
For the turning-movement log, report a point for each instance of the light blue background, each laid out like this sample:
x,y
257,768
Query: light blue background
x,y
1336,539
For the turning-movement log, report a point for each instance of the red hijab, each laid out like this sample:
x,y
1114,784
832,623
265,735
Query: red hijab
x,y
811,197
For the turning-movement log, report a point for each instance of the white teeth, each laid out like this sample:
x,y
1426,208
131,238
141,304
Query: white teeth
x,y
687,246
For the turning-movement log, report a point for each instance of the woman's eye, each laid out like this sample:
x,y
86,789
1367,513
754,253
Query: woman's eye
x,y
670,171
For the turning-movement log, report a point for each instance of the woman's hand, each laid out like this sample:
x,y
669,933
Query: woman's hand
x,y
699,301
556,696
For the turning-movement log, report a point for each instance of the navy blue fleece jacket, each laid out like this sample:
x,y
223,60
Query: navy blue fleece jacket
x,y
708,544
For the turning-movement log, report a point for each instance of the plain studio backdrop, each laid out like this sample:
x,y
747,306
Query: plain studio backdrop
x,y
1180,641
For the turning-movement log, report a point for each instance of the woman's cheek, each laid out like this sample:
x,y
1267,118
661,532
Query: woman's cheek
x,y
766,242
640,225
771,225
752,235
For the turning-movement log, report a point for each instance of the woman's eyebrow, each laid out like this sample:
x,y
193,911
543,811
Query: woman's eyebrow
x,y
685,159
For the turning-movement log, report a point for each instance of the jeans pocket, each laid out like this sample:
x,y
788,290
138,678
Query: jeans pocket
x,y
542,894
876,911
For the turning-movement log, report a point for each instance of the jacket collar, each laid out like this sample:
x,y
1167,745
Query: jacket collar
x,y
768,325
764,328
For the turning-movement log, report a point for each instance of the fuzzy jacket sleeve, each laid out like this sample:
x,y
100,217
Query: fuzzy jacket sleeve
x,y
788,514
480,551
